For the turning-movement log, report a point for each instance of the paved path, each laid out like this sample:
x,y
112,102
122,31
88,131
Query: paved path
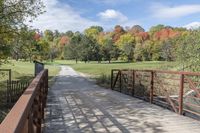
x,y
76,105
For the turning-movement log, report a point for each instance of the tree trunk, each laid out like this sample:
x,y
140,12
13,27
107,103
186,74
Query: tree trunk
x,y
51,57
76,60
30,58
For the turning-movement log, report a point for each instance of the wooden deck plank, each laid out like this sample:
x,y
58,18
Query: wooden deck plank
x,y
77,105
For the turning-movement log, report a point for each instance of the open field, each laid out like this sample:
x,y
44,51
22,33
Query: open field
x,y
96,69
20,70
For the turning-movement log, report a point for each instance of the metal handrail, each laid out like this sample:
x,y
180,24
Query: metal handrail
x,y
28,112
181,80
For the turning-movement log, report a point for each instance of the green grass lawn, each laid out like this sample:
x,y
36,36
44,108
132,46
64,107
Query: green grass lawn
x,y
20,70
105,68
26,69
94,68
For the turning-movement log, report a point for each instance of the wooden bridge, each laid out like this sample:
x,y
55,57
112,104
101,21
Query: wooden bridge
x,y
75,104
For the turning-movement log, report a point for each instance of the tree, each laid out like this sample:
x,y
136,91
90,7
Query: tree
x,y
49,35
156,51
56,34
28,43
69,33
108,49
155,29
99,28
147,50
136,29
141,37
43,48
168,50
118,31
89,50
72,51
188,51
93,32
138,52
165,34
13,14
126,44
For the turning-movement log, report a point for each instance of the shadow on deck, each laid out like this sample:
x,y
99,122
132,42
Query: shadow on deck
x,y
77,105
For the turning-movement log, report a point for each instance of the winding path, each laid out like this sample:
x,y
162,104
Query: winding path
x,y
76,105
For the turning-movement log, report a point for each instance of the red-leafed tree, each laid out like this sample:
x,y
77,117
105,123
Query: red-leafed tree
x,y
37,37
165,34
118,31
64,40
142,36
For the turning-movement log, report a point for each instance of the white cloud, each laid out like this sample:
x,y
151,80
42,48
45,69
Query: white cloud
x,y
111,14
193,25
61,16
167,12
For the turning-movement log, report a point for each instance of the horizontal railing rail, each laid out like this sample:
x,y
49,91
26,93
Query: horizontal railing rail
x,y
178,90
27,114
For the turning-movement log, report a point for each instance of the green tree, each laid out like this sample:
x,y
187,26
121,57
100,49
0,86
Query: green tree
x,y
69,33
49,35
93,32
43,48
126,44
72,50
13,15
168,50
108,49
156,51
188,51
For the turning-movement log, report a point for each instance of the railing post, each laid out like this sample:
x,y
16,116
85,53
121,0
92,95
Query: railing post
x,y
181,94
152,87
8,91
111,80
133,82
120,80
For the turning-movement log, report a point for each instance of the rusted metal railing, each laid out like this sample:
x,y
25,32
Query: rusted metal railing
x,y
27,114
178,91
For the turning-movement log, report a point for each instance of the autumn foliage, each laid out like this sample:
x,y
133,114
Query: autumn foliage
x,y
165,34
64,40
130,44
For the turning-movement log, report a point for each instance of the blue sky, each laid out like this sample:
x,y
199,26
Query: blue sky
x,y
76,15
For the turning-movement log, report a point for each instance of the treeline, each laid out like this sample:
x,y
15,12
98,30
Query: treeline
x,y
160,43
